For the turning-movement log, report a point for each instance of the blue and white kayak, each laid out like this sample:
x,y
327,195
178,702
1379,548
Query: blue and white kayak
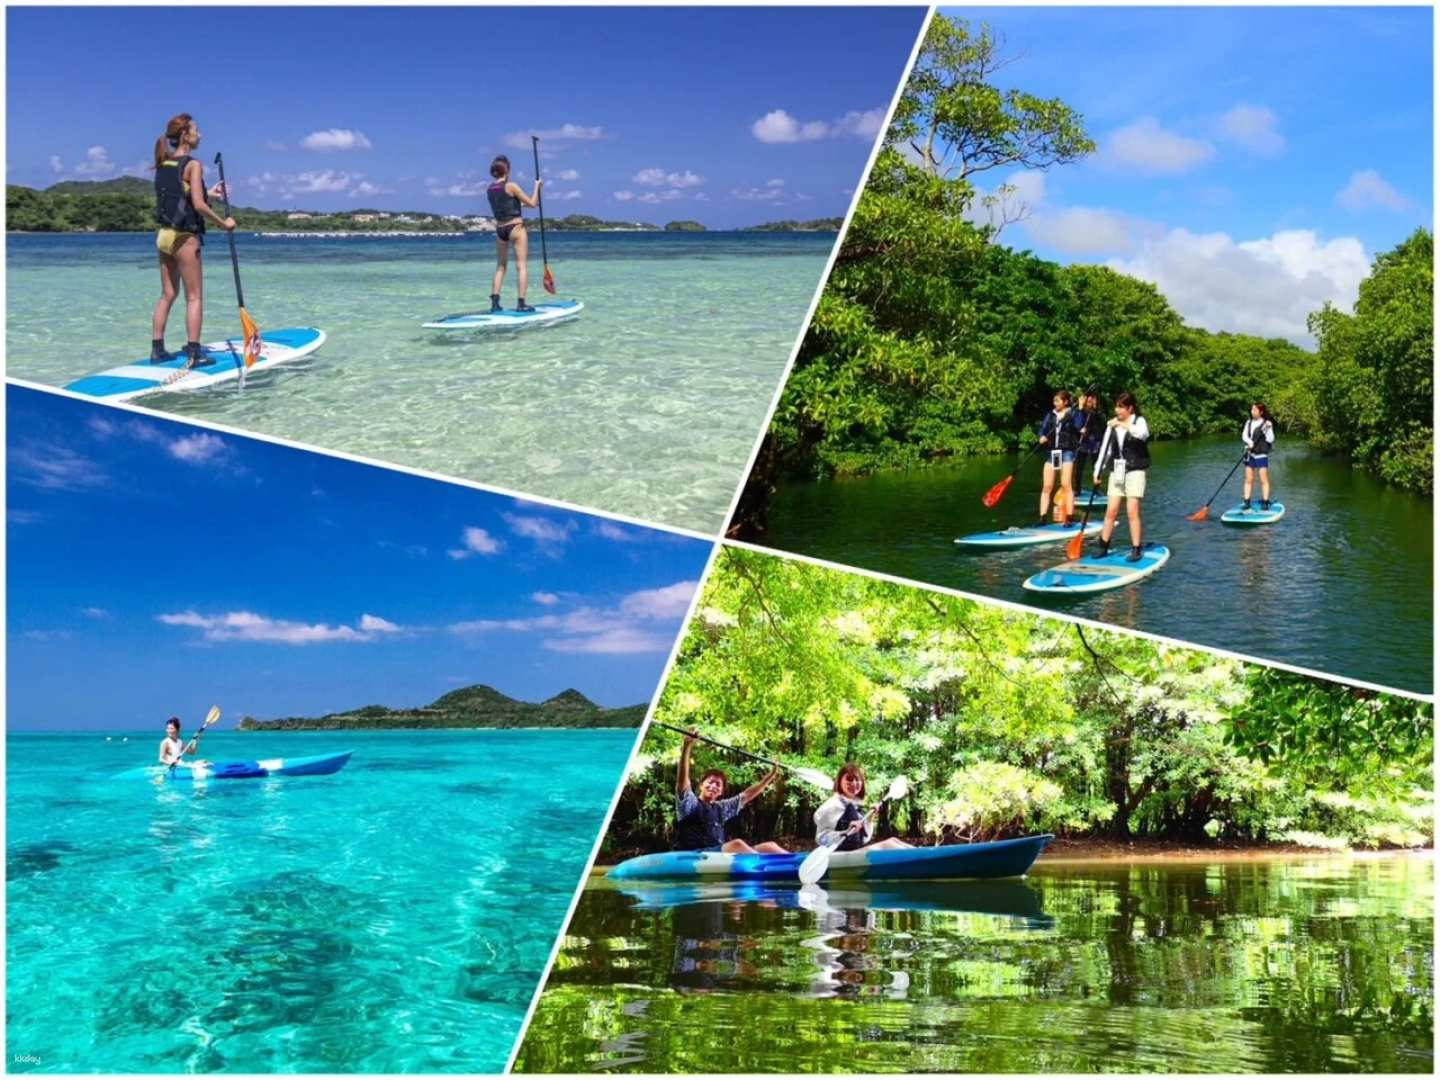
x,y
1238,515
996,859
1096,574
1025,535
142,377
546,312
315,765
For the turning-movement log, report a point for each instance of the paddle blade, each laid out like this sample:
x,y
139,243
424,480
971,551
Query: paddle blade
x,y
994,495
899,788
1199,515
1075,546
815,865
814,777
252,337
548,280
212,715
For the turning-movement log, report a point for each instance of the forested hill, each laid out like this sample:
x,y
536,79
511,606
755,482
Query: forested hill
x,y
934,340
472,707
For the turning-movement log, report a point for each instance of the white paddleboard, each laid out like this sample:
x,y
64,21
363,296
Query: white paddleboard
x,y
547,312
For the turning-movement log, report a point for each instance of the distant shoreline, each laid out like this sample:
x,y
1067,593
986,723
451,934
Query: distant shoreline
x,y
384,233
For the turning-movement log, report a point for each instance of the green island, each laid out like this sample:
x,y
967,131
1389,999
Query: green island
x,y
127,204
470,707
934,341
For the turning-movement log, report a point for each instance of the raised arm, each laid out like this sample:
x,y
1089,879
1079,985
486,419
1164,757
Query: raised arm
x,y
751,792
682,776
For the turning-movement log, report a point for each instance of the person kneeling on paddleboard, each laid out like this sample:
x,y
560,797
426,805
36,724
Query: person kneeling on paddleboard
x,y
506,201
700,820
844,812
172,750
1060,434
1126,449
1258,435
181,212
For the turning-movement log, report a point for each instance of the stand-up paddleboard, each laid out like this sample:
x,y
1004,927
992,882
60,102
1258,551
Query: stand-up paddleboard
x,y
1091,498
143,377
1096,574
547,312
1238,515
1024,536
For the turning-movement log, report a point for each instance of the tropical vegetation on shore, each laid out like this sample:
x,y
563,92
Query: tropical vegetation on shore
x,y
1008,723
933,340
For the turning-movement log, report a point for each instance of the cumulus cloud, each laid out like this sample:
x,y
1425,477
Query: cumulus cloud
x,y
313,182
461,189
335,139
773,191
545,599
656,177
565,196
476,541
644,621
1150,149
778,126
1254,127
622,196
1265,287
97,163
199,449
56,165
1083,230
365,187
567,174
548,535
249,626
610,531
520,140
1366,189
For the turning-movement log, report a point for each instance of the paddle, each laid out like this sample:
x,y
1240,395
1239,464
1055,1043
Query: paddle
x,y
818,861
1076,544
210,718
997,491
547,279
810,776
247,324
1199,515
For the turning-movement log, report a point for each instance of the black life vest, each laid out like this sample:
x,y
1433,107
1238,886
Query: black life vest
x,y
851,815
1134,452
503,205
703,827
1259,444
1093,434
173,208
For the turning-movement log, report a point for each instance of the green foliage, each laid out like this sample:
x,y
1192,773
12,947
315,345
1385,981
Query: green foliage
x,y
1007,722
684,226
829,224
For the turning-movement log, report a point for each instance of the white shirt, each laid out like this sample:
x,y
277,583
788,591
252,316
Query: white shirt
x,y
827,818
1257,427
1138,428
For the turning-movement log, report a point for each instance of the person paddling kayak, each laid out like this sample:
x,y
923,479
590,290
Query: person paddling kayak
x,y
1258,435
180,214
845,812
172,749
700,820
1126,451
1060,435
506,201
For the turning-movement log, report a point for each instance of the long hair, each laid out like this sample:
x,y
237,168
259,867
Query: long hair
x,y
174,131
850,769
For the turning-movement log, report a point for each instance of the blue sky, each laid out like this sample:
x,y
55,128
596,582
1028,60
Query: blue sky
x,y
727,116
155,568
1252,161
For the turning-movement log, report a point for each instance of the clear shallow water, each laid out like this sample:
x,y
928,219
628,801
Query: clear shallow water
x,y
393,917
647,404
1293,965
1342,584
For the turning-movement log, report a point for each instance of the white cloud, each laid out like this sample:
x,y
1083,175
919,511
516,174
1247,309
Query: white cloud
x,y
199,449
365,187
309,183
56,165
335,139
655,177
520,140
248,626
95,613
564,196
476,541
567,174
460,189
623,196
1150,149
655,198
773,191
670,602
644,621
863,125
610,531
1255,128
53,468
1083,230
547,599
1368,188
548,535
1266,286
778,126
97,163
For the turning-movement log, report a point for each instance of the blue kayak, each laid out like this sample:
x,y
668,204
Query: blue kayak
x,y
1093,573
1238,515
547,312
996,859
226,363
1025,535
315,765
985,897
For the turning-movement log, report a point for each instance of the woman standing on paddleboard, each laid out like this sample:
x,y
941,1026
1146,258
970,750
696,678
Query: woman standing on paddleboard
x,y
844,812
700,820
1092,430
1258,435
506,201
1060,433
1126,450
181,212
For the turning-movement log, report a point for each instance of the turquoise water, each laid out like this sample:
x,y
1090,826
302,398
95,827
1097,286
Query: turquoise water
x,y
394,917
647,404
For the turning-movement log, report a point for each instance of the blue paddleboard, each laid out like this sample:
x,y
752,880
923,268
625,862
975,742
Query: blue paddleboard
x,y
1238,515
546,312
142,377
1024,536
1094,574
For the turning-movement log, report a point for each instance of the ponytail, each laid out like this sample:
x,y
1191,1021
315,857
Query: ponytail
x,y
175,130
